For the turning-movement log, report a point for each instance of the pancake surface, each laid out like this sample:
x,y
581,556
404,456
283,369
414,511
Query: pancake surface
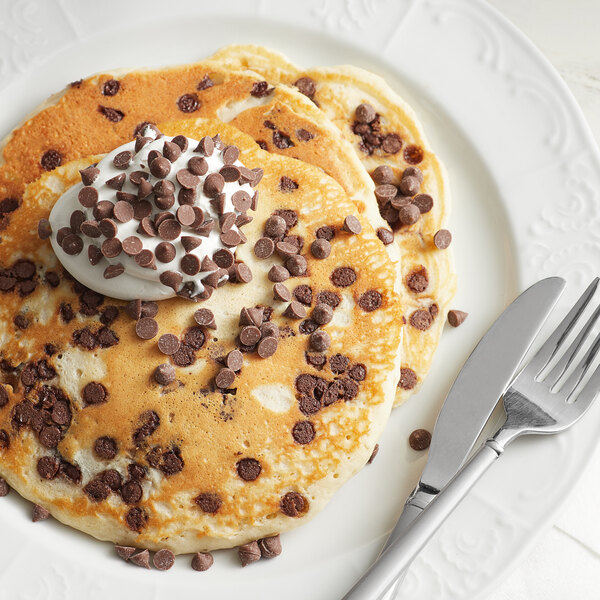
x,y
393,138
215,468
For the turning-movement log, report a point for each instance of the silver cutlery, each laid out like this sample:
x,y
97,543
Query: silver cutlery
x,y
538,401
475,394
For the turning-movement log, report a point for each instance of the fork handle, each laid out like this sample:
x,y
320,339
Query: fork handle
x,y
398,556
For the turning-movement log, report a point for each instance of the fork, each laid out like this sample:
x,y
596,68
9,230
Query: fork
x,y
536,402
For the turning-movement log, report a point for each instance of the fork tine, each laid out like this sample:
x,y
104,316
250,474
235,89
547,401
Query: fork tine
x,y
588,394
576,377
550,347
564,363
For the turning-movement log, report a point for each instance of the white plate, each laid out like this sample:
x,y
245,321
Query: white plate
x,y
525,176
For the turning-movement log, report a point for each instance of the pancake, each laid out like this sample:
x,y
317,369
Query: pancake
x,y
93,433
393,138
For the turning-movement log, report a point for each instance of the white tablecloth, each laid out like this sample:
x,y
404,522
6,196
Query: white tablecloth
x,y
565,563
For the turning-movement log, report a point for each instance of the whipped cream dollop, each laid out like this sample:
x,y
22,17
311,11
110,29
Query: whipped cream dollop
x,y
157,217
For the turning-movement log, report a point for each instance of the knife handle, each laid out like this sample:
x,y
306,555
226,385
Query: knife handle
x,y
378,579
416,503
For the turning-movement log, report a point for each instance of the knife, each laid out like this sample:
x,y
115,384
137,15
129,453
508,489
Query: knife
x,y
474,395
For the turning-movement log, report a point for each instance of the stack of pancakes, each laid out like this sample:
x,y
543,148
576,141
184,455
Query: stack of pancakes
x,y
89,430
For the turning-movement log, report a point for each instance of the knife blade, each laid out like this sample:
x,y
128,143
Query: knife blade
x,y
477,390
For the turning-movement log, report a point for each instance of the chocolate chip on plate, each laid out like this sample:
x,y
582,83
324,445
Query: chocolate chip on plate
x,y
146,328
457,317
419,439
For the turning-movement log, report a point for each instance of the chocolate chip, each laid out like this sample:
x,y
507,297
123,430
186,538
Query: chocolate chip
x,y
121,161
96,490
365,113
260,89
267,347
3,396
392,143
369,301
275,226
205,317
409,214
164,374
21,322
44,229
383,174
51,159
320,248
213,185
385,235
413,155
89,175
424,202
47,467
202,561
168,343
418,280
304,135
171,151
230,155
385,193
322,314
131,492
88,196
112,114
296,265
224,378
352,225
304,294
249,553
421,319
320,340
270,547
338,363
295,310
188,103
303,432
125,552
248,469
163,559
181,141
286,184
106,447
169,229
250,335
243,274
442,239
110,87
234,360
456,317
113,271
49,436
4,489
307,327
72,244
206,146
123,211
141,559
71,472
293,504
208,502
94,393
343,276
277,274
419,439
409,186
111,248
39,513
373,454
146,328
194,337
160,167
264,247
281,293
